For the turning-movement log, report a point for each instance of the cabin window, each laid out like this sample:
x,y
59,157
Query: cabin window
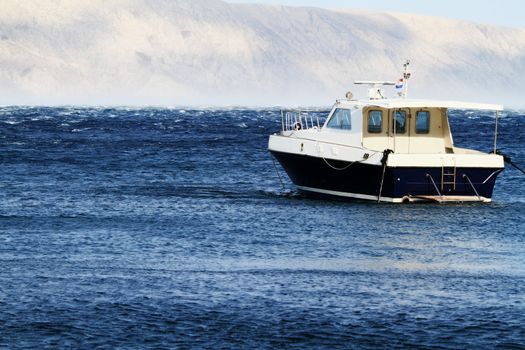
x,y
375,122
340,120
422,122
400,122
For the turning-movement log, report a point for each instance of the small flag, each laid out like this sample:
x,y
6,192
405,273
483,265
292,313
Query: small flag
x,y
400,84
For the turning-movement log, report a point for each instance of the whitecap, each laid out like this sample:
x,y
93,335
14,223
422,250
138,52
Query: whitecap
x,y
11,122
44,117
80,130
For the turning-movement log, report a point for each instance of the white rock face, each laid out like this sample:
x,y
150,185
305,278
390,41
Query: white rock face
x,y
207,52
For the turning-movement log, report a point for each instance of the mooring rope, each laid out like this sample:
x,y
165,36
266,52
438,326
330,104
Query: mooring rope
x,y
507,159
278,174
384,160
347,166
339,169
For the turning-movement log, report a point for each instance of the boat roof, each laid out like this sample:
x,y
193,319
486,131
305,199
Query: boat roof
x,y
420,103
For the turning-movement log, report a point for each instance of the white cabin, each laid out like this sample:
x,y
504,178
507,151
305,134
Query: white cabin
x,y
420,127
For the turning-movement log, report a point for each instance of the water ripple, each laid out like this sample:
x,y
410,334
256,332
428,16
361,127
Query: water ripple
x,y
169,228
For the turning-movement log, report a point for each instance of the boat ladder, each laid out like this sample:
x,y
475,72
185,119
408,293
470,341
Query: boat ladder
x,y
448,176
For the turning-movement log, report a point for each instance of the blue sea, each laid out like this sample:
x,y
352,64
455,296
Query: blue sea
x,y
169,229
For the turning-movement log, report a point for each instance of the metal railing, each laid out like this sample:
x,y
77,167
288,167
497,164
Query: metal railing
x,y
472,185
295,119
435,186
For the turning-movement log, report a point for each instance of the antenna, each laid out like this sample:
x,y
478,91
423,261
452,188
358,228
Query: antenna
x,y
402,84
375,91
375,87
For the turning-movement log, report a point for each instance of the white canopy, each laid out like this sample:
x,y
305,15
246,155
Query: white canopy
x,y
406,103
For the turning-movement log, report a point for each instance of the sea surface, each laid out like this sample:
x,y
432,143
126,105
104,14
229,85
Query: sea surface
x,y
169,228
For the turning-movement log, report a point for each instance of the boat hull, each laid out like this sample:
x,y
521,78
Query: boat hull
x,y
400,184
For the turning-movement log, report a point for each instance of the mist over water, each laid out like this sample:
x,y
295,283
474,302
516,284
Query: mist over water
x,y
215,53
169,228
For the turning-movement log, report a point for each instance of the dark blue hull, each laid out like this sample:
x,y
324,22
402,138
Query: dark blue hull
x,y
364,181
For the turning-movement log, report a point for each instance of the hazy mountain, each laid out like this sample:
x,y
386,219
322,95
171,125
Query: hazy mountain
x,y
207,52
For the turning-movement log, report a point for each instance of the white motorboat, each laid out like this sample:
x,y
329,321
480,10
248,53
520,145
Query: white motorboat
x,y
388,150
